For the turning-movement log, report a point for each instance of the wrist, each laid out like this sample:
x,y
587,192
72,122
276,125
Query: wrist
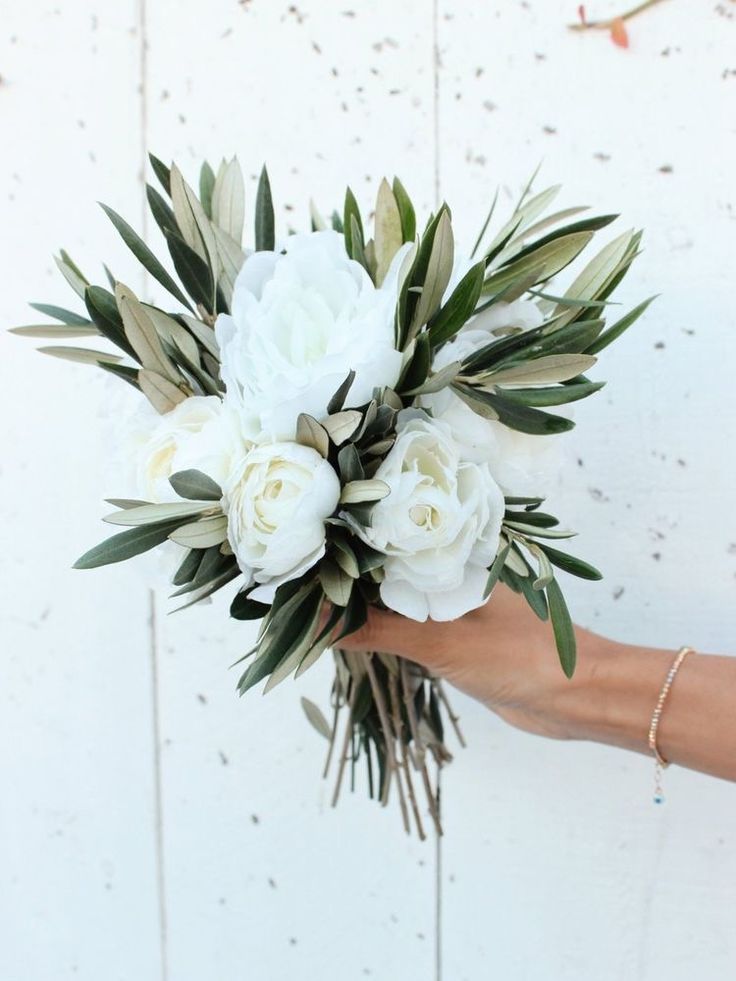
x,y
612,695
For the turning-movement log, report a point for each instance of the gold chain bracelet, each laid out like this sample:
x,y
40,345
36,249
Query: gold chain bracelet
x,y
660,762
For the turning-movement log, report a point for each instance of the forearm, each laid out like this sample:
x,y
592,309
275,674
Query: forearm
x,y
615,697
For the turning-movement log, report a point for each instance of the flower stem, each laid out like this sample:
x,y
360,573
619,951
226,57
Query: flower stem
x,y
605,25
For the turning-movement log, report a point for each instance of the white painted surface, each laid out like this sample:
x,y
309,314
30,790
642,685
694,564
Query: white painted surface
x,y
555,866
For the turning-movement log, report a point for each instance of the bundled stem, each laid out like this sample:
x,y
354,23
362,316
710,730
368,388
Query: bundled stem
x,y
394,719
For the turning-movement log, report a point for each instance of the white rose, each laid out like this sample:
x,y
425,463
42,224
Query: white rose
x,y
301,320
276,500
201,433
439,526
522,464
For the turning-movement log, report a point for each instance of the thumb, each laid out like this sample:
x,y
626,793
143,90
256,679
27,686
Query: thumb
x,y
395,634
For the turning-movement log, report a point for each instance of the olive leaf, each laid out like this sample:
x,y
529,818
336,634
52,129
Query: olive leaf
x,y
310,433
362,491
388,233
80,355
201,534
160,392
316,717
141,333
228,200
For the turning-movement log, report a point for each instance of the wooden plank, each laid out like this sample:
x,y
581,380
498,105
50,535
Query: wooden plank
x,y
78,873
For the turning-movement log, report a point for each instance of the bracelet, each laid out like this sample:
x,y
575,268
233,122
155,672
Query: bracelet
x,y
661,763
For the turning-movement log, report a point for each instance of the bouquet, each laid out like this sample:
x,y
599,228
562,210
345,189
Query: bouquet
x,y
348,417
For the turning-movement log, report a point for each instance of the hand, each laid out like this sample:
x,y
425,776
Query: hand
x,y
501,654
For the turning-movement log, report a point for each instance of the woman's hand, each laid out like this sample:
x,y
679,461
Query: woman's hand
x,y
501,654
504,656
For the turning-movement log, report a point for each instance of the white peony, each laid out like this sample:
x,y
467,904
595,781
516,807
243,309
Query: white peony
x,y
522,464
276,500
201,433
301,320
439,526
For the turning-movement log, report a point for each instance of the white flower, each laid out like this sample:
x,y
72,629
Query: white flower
x,y
439,526
301,320
276,500
522,464
201,433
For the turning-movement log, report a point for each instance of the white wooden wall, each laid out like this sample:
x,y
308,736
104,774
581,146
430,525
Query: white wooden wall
x,y
153,827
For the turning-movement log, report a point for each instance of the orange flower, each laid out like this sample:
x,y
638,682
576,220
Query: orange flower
x,y
619,34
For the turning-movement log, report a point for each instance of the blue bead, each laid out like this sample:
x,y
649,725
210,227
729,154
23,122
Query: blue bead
x,y
658,799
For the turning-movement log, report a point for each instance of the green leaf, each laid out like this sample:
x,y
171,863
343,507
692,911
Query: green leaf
x,y
485,225
563,628
188,568
144,255
162,172
598,271
71,274
459,307
243,608
349,465
586,225
573,338
161,212
80,355
180,342
338,399
147,514
204,334
160,392
559,395
529,529
125,545
534,597
418,367
342,425
142,335
438,380
310,433
336,583
201,534
406,211
316,718
388,230
548,260
55,331
437,276
495,571
351,210
194,225
513,414
227,576
286,630
123,371
228,200
362,491
195,486
104,312
265,222
60,313
206,186
617,329
540,371
193,271
568,563
346,558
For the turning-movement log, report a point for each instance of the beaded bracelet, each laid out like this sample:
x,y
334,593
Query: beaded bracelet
x,y
661,763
